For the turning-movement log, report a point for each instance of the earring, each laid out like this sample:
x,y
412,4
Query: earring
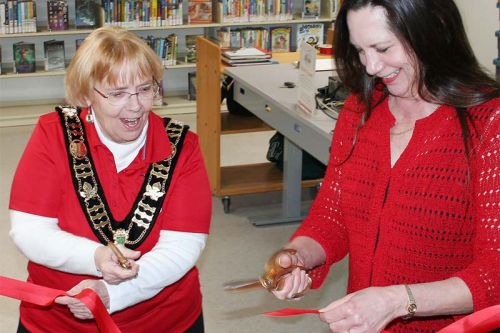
x,y
89,117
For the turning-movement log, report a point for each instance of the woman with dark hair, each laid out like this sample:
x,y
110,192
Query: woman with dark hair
x,y
411,191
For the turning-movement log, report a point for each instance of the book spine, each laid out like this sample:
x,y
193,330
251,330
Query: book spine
x,y
3,19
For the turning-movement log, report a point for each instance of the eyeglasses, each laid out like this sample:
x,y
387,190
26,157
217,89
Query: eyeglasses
x,y
144,93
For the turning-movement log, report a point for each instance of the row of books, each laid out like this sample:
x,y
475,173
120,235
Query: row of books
x,y
17,16
20,16
248,37
142,13
256,10
276,39
54,53
166,48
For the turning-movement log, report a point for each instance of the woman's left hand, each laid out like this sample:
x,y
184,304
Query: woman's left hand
x,y
365,311
77,307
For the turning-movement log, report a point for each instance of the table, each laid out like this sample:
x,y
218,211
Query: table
x,y
260,90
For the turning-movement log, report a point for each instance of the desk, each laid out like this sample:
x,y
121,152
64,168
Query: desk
x,y
258,88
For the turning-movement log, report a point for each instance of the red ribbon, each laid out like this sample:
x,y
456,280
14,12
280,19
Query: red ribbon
x,y
43,296
482,321
290,312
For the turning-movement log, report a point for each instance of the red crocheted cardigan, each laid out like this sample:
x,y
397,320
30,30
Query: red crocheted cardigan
x,y
421,220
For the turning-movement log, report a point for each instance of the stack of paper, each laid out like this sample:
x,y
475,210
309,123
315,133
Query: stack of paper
x,y
246,56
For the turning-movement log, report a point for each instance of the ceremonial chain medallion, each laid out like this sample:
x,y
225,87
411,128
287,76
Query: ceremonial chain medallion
x,y
132,230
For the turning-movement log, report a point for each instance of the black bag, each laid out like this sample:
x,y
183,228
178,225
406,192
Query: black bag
x,y
311,167
227,91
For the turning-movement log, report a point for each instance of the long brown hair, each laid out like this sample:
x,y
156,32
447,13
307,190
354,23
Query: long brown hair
x,y
433,34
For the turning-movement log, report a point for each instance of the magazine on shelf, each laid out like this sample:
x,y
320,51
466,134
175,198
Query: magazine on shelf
x,y
310,33
86,14
312,9
54,55
199,11
24,57
57,15
280,39
79,42
191,48
191,86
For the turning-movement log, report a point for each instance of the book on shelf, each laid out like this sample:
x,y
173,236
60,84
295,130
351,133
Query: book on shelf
x,y
199,11
54,55
158,99
170,53
191,48
79,42
312,9
57,15
191,86
280,39
235,39
24,57
310,33
87,14
335,7
224,38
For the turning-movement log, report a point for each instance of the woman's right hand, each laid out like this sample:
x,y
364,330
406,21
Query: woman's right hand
x,y
295,283
107,263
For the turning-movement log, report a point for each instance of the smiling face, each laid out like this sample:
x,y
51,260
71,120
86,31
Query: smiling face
x,y
122,123
381,52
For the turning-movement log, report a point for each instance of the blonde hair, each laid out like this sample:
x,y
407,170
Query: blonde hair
x,y
110,55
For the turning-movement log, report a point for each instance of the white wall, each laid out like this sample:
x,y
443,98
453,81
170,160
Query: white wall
x,y
481,20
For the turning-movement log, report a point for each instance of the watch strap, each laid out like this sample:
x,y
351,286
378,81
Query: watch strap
x,y
411,308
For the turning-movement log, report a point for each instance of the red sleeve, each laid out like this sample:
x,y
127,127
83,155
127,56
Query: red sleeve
x,y
189,200
35,188
324,222
483,275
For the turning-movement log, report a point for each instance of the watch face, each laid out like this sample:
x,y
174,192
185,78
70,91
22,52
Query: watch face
x,y
412,308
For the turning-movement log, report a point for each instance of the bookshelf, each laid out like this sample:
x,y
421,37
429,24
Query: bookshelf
x,y
33,88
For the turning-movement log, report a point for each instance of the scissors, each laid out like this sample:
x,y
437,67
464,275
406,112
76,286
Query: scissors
x,y
272,279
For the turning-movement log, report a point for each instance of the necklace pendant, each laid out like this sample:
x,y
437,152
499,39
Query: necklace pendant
x,y
120,236
78,149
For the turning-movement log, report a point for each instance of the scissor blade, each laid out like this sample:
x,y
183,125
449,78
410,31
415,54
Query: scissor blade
x,y
242,285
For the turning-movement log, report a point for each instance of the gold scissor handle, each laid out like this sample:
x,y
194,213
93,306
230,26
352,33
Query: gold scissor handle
x,y
273,277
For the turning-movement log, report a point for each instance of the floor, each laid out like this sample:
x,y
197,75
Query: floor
x,y
235,250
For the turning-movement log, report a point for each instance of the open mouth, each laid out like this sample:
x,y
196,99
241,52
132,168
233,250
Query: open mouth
x,y
390,77
130,122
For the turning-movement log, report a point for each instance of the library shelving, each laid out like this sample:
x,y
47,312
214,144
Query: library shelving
x,y
32,88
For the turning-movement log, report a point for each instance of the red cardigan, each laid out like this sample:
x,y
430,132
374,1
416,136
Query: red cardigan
x,y
433,223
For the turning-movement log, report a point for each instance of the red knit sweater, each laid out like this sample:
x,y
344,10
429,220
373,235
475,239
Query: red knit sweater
x,y
419,221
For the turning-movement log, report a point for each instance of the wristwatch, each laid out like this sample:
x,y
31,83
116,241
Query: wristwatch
x,y
411,308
